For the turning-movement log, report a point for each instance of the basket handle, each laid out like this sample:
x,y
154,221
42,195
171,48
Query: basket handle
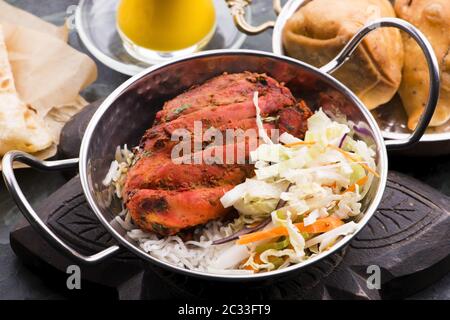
x,y
237,8
31,215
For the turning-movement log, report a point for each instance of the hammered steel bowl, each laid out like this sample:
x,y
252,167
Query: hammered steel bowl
x,y
125,115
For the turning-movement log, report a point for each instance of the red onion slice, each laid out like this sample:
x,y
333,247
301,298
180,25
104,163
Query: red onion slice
x,y
243,231
362,131
342,140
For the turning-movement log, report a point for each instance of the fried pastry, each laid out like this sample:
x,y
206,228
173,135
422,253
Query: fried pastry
x,y
432,17
318,31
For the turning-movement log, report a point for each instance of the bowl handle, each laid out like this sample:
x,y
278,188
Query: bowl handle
x,y
31,215
237,8
433,68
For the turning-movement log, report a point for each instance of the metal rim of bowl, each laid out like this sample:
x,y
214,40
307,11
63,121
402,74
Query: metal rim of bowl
x,y
277,47
124,68
370,211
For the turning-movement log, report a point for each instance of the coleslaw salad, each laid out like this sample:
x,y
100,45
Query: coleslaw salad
x,y
321,181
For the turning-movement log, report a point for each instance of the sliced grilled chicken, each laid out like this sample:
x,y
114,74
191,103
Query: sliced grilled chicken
x,y
168,211
165,192
224,90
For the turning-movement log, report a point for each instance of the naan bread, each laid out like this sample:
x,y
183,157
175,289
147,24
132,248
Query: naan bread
x,y
20,127
432,17
318,31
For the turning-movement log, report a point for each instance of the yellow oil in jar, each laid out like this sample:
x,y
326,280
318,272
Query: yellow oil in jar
x,y
166,25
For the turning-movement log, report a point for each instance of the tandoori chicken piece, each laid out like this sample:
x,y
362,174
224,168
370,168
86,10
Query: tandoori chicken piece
x,y
166,193
167,211
161,169
160,141
223,90
158,172
293,119
216,116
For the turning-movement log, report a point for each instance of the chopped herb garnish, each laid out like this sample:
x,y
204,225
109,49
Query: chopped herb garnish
x,y
146,153
270,119
180,109
139,156
159,228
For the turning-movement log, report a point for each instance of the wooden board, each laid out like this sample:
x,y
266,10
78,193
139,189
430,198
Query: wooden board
x,y
407,238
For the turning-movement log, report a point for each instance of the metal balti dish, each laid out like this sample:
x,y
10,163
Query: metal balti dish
x,y
120,120
390,117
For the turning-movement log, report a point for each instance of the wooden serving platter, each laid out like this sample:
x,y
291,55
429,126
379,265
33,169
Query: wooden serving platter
x,y
407,239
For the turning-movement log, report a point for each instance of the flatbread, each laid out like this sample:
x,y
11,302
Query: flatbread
x,y
20,126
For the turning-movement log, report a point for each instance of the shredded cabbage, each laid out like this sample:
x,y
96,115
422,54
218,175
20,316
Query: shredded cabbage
x,y
322,176
254,197
329,237
261,131
324,131
231,257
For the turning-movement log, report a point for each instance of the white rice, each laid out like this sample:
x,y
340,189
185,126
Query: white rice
x,y
198,254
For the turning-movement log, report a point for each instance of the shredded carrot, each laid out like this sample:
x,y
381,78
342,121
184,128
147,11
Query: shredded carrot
x,y
256,259
248,267
365,166
350,158
361,182
261,235
321,225
333,185
303,104
300,143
